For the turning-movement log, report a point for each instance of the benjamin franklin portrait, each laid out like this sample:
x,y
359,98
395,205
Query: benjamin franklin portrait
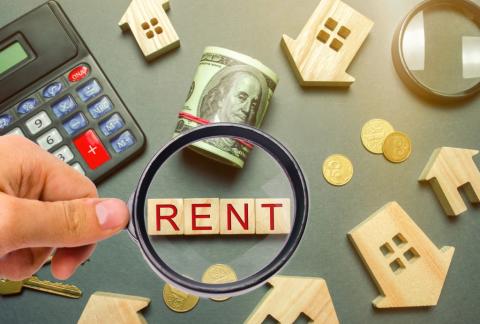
x,y
234,95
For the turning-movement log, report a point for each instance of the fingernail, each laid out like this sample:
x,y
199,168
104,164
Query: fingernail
x,y
111,213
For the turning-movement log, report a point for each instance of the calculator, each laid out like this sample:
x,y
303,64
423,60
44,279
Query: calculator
x,y
53,92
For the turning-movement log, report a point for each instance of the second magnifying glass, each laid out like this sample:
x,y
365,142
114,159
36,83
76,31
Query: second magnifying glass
x,y
213,230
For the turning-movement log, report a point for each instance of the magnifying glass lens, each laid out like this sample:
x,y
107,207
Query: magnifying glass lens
x,y
213,223
440,46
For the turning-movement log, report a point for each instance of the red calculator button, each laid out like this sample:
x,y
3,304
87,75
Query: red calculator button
x,y
78,73
91,149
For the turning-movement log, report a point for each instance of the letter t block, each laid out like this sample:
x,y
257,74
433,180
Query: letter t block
x,y
272,216
165,217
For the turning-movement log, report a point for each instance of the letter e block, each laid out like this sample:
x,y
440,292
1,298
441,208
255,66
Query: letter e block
x,y
201,216
165,217
237,216
272,216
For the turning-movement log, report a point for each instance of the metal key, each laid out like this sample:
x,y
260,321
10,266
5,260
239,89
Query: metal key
x,y
8,287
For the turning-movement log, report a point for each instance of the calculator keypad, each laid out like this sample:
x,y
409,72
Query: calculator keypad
x,y
50,139
78,121
38,123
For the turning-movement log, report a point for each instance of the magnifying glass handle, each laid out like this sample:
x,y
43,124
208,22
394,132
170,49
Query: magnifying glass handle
x,y
130,228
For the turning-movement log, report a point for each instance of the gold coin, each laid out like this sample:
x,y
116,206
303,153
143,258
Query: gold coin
x,y
374,133
397,147
217,274
337,169
177,300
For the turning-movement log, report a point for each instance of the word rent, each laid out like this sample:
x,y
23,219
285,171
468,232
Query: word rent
x,y
210,216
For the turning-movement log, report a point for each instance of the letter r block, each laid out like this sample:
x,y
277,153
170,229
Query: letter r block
x,y
165,217
201,216
272,216
237,216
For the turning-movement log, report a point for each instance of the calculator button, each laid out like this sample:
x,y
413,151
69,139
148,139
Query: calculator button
x,y
49,139
78,73
91,149
89,90
38,122
27,106
122,142
77,167
16,131
5,120
111,124
76,123
52,90
64,106
100,107
64,153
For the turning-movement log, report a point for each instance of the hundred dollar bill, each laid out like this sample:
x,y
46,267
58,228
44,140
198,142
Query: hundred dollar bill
x,y
227,87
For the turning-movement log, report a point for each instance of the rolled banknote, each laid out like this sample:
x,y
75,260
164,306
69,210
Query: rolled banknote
x,y
227,87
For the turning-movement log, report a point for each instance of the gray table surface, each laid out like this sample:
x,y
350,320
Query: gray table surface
x,y
313,123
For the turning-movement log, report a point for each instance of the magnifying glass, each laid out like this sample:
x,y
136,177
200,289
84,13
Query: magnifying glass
x,y
436,49
213,230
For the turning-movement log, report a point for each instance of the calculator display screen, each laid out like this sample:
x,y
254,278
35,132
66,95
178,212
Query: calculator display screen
x,y
11,56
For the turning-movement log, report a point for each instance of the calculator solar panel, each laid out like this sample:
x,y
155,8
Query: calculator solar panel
x,y
53,92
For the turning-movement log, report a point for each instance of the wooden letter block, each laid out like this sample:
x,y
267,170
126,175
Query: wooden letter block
x,y
448,169
165,217
272,216
104,307
237,216
150,26
327,44
201,216
407,267
292,296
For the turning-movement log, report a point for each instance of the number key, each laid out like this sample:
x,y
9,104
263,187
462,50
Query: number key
x,y
49,139
64,153
38,122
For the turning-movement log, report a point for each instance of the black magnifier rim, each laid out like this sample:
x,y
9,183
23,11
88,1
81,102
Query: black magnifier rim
x,y
257,137
470,10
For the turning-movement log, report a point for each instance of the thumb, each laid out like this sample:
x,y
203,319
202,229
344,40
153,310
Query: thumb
x,y
33,223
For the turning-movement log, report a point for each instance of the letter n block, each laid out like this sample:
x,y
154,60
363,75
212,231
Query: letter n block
x,y
165,217
272,216
237,216
201,216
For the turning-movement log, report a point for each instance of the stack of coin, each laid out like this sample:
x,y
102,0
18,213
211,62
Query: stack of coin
x,y
177,300
378,136
217,274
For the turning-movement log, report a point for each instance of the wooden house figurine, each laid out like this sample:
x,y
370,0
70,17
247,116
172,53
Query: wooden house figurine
x,y
149,24
407,267
448,169
327,44
292,296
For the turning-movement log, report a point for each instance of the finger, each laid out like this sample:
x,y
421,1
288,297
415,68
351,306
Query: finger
x,y
22,264
32,223
29,172
66,260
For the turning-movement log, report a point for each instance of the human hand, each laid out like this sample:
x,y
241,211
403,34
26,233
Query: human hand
x,y
44,205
